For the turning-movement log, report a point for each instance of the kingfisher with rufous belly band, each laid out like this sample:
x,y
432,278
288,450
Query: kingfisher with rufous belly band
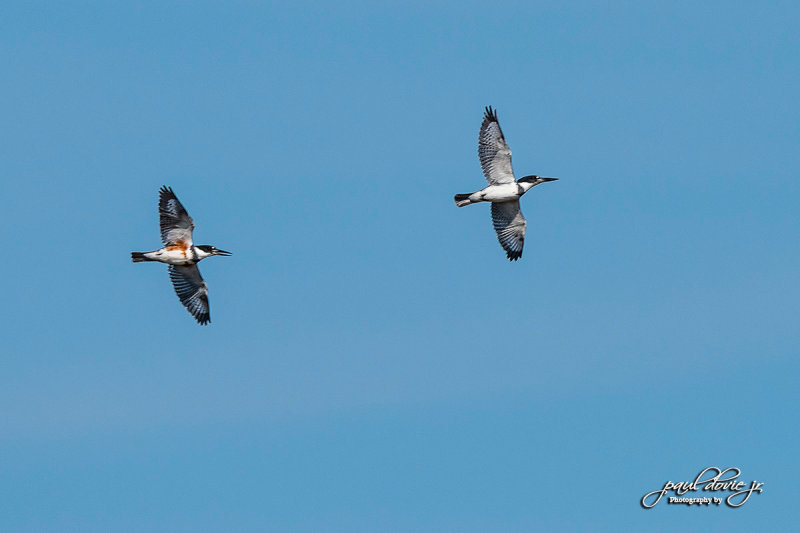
x,y
182,255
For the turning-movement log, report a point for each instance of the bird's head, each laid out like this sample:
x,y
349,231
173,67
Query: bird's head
x,y
535,180
210,250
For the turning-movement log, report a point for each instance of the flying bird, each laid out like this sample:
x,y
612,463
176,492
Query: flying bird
x,y
503,191
181,255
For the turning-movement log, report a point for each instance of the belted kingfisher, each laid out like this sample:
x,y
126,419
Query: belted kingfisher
x,y
181,255
503,190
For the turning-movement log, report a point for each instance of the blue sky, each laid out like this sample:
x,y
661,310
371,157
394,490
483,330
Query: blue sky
x,y
358,375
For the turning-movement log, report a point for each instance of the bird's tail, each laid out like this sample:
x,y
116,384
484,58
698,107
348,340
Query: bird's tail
x,y
138,257
463,199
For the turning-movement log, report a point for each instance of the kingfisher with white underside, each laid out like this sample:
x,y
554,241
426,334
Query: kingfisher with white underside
x,y
504,191
182,255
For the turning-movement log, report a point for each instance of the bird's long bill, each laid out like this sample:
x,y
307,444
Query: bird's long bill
x,y
548,179
223,252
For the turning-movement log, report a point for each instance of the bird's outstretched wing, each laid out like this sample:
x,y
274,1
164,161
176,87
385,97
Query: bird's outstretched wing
x,y
176,224
510,227
192,290
493,151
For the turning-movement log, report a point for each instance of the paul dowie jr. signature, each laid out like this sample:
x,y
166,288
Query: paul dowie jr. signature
x,y
709,480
